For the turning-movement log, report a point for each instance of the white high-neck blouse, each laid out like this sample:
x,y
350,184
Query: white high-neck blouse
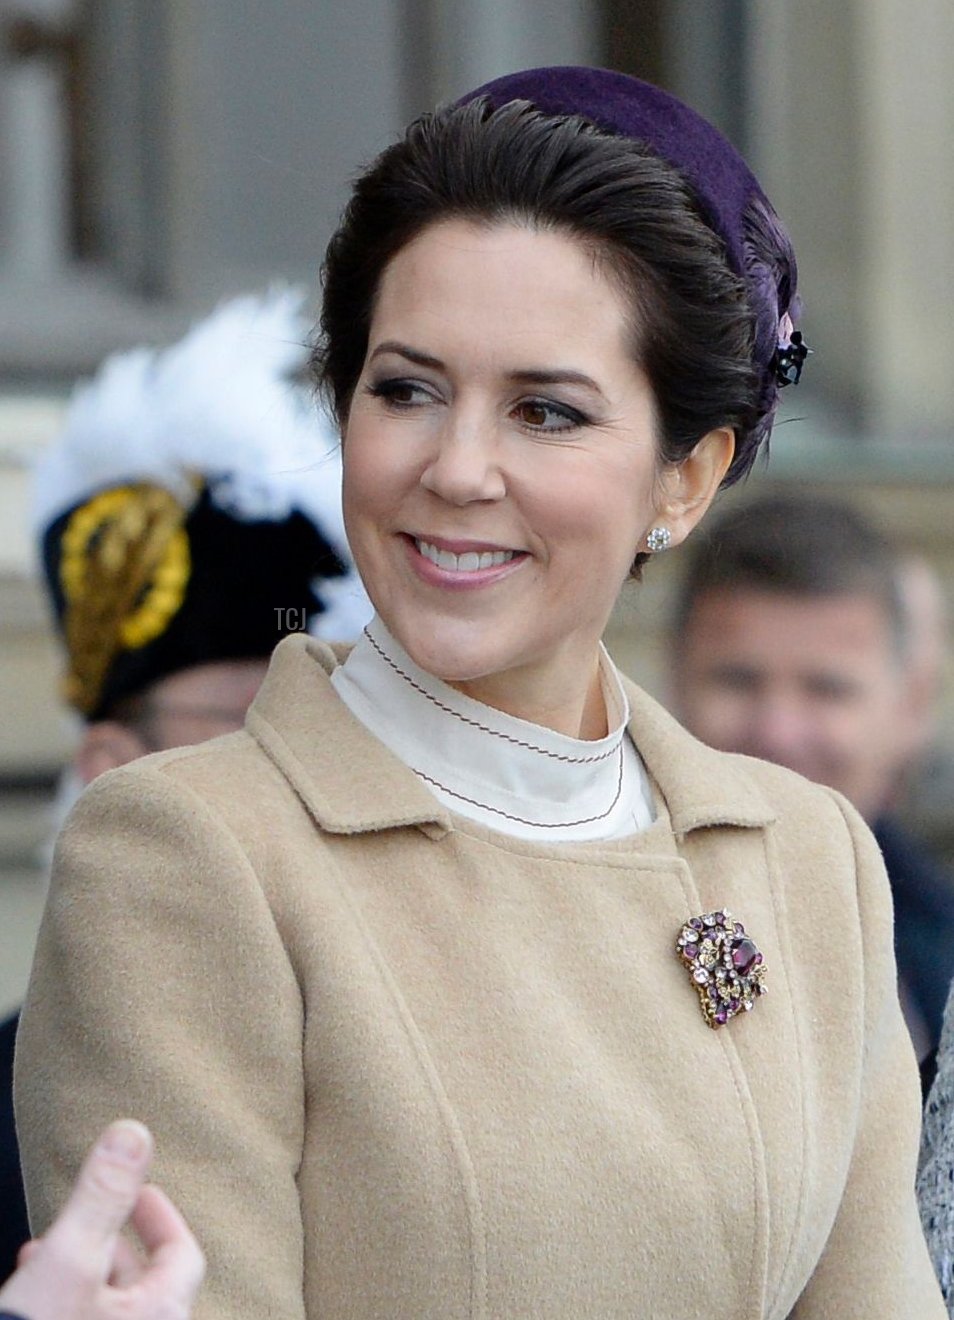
x,y
492,768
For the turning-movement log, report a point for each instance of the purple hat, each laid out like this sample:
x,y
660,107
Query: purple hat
x,y
629,107
722,183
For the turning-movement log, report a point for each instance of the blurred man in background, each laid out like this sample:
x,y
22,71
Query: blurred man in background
x,y
189,518
794,642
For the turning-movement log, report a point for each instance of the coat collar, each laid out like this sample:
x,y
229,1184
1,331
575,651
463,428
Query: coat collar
x,y
352,784
700,786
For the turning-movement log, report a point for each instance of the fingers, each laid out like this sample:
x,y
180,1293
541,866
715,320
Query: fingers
x,y
175,1266
127,1265
27,1251
64,1275
105,1193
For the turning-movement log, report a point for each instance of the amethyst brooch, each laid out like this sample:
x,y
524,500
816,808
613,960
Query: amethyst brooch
x,y
725,966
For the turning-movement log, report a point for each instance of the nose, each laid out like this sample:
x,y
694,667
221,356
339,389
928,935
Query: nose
x,y
780,732
465,466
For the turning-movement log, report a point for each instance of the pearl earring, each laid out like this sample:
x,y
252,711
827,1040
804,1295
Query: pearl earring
x,y
658,539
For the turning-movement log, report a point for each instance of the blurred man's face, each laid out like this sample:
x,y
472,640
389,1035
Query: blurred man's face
x,y
183,708
202,702
810,682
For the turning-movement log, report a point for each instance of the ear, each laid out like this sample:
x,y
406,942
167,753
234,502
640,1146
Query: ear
x,y
918,702
105,745
689,487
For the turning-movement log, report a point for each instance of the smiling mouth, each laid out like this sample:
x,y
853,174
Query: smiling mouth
x,y
470,562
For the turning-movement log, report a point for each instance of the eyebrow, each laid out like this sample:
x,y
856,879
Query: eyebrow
x,y
529,375
412,354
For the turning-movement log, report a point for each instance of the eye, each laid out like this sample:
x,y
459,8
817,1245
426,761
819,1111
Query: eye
x,y
547,416
401,393
832,688
733,678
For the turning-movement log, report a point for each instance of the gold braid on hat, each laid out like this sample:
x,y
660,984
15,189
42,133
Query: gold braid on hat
x,y
124,568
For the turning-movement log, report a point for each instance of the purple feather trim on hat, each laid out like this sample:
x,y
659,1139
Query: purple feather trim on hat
x,y
628,107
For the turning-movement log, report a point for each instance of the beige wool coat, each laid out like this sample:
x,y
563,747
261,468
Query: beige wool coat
x,y
401,1066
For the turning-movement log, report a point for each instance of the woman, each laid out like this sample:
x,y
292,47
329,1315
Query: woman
x,y
407,977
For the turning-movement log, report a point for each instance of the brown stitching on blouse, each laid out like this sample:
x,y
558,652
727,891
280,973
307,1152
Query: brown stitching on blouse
x,y
519,820
494,733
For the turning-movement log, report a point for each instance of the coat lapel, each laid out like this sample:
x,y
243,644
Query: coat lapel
x,y
347,779
701,787
352,784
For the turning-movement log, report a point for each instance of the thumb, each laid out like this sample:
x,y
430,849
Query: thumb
x,y
105,1191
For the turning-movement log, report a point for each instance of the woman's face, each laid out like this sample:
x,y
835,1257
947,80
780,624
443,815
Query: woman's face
x,y
500,462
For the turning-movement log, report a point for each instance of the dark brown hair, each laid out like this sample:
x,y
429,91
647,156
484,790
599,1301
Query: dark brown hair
x,y
693,325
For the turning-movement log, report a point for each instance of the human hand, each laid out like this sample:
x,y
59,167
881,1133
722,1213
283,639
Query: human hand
x,y
82,1269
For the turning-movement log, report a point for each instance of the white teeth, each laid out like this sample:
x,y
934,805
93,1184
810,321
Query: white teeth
x,y
466,563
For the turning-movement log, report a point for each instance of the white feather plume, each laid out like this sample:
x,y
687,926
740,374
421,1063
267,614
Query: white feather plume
x,y
222,404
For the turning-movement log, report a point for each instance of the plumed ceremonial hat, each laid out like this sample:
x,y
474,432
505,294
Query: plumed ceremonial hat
x,y
190,510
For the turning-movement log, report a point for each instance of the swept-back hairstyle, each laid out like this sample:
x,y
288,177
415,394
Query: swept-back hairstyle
x,y
701,332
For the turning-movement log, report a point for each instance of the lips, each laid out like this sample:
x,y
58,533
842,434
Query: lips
x,y
470,561
463,559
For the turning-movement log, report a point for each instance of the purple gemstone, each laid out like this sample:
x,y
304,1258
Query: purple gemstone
x,y
690,951
739,928
696,923
734,1005
744,955
721,1016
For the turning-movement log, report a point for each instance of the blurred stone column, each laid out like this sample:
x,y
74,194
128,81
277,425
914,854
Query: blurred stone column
x,y
851,117
468,42
705,56
35,154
